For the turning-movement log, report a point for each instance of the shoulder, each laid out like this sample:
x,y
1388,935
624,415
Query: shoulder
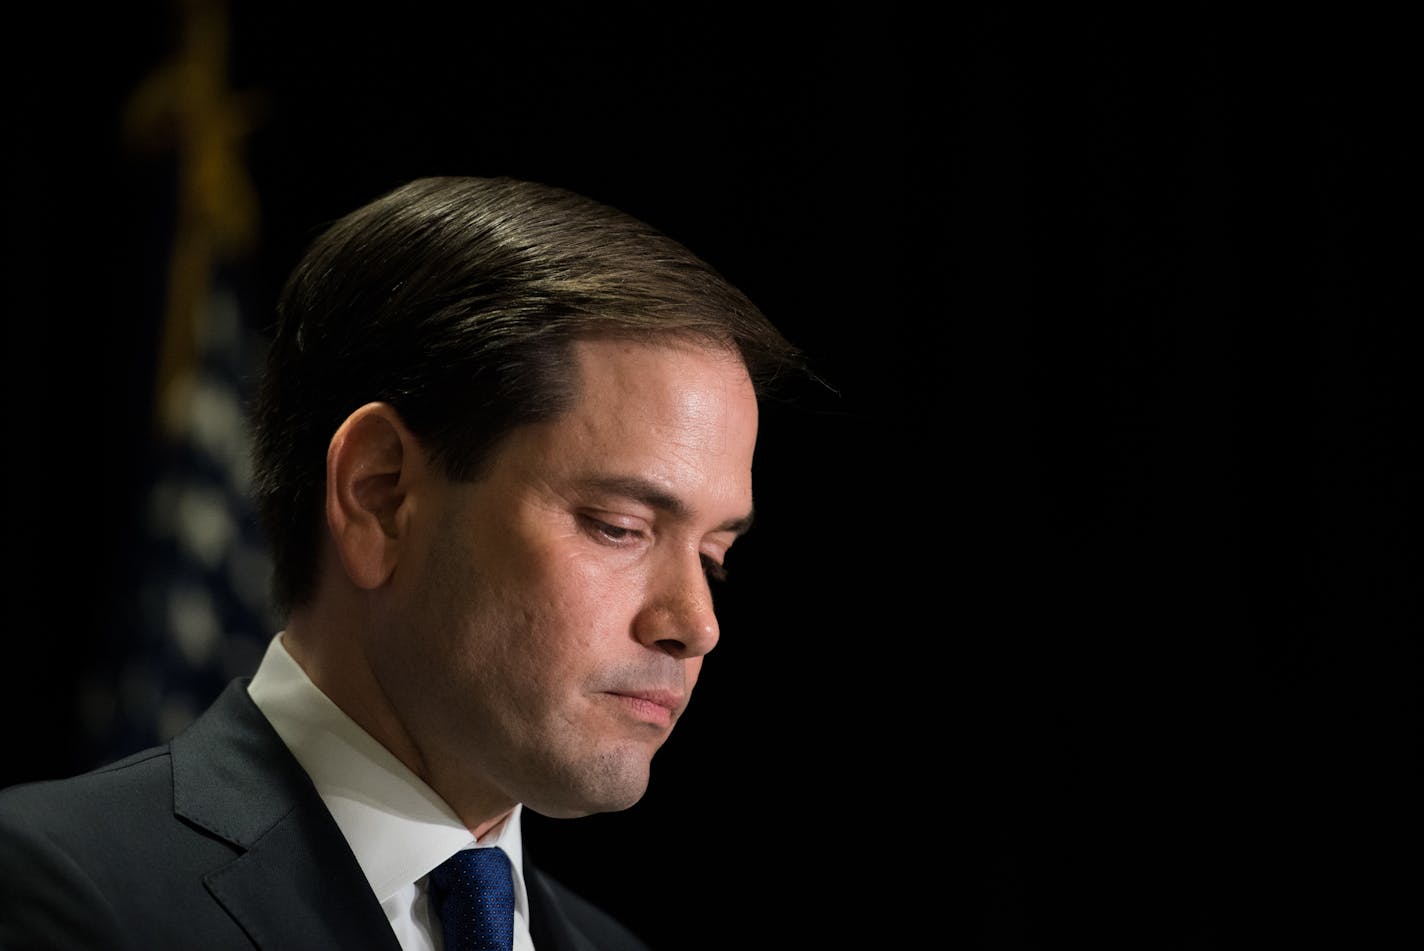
x,y
117,857
64,842
111,816
90,805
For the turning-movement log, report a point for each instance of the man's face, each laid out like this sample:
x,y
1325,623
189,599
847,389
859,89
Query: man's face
x,y
551,618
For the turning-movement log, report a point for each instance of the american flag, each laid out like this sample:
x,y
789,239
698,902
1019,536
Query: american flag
x,y
198,613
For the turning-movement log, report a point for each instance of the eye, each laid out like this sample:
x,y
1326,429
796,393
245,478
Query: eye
x,y
714,571
607,532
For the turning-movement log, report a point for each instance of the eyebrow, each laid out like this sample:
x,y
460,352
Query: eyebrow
x,y
655,496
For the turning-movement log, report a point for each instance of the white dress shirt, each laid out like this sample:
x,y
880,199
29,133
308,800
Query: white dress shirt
x,y
397,826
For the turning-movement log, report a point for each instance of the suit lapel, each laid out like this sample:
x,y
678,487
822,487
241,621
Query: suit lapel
x,y
294,882
549,924
295,889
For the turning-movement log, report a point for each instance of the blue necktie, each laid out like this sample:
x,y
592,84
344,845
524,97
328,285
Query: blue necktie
x,y
473,893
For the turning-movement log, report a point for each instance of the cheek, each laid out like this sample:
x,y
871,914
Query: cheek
x,y
553,607
557,614
592,591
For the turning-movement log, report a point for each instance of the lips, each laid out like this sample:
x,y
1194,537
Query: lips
x,y
657,706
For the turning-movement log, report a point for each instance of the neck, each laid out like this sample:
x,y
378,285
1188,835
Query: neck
x,y
328,648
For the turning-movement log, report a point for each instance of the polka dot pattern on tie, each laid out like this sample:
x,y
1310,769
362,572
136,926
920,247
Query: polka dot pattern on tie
x,y
473,893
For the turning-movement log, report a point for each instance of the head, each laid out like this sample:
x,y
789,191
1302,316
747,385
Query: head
x,y
516,427
456,300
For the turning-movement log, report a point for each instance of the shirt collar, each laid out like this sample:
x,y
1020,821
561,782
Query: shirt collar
x,y
397,826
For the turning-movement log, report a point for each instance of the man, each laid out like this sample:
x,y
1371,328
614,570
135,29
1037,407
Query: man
x,y
504,436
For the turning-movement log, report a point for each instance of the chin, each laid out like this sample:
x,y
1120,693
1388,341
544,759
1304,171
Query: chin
x,y
610,787
565,809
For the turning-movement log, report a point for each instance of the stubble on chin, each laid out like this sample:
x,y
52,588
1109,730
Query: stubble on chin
x,y
592,782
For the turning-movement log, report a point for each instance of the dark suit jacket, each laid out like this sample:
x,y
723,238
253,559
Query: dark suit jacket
x,y
218,840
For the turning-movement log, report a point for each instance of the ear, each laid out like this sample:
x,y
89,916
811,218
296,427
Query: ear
x,y
371,464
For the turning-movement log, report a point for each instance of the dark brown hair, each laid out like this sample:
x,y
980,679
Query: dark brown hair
x,y
456,300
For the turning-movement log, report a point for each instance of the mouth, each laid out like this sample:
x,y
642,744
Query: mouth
x,y
657,707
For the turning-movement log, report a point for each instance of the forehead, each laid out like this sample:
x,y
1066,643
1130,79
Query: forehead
x,y
667,383
678,416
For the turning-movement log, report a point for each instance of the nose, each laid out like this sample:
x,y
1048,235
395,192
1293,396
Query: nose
x,y
678,617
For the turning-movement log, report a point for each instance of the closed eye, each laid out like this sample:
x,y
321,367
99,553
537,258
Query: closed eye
x,y
620,536
714,571
607,533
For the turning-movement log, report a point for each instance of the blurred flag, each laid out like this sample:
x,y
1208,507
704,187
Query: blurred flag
x,y
199,612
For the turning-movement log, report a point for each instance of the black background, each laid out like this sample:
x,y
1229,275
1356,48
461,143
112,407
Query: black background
x,y
1083,611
